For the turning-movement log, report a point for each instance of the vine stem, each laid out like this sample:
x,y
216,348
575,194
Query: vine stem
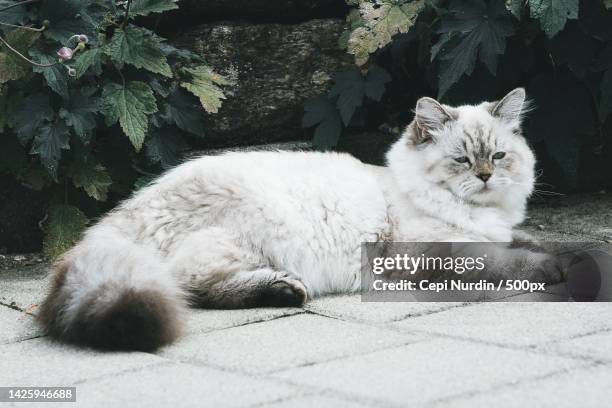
x,y
38,30
36,64
127,14
21,3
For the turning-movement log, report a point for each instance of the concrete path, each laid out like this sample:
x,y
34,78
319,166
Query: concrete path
x,y
338,351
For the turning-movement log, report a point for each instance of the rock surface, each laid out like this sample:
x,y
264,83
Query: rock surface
x,y
275,68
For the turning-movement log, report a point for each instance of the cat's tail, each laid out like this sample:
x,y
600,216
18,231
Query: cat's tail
x,y
108,293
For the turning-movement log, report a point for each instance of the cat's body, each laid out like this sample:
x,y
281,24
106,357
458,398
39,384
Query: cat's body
x,y
275,228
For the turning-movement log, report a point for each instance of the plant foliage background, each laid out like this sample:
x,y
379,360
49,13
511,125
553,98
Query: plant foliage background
x,y
117,107
94,103
467,51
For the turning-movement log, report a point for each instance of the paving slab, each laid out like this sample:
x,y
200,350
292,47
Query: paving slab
x,y
16,326
350,307
319,401
422,372
585,388
596,345
24,280
42,362
202,321
178,384
519,324
283,343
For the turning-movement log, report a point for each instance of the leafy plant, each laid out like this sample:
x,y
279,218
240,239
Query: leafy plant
x,y
77,79
467,51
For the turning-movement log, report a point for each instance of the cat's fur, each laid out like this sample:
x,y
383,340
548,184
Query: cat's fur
x,y
276,228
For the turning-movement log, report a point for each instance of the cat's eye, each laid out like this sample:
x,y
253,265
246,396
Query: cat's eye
x,y
499,155
462,159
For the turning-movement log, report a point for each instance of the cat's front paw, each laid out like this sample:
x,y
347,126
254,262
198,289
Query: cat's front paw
x,y
285,291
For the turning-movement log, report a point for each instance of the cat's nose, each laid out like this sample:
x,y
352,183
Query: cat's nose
x,y
484,176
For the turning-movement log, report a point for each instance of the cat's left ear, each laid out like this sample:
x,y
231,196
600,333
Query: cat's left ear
x,y
510,107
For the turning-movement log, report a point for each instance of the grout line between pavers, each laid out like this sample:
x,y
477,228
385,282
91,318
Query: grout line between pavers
x,y
168,362
187,335
511,384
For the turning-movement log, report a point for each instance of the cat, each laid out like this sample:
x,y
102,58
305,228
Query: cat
x,y
276,228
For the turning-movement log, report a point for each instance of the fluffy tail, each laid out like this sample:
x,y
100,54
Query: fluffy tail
x,y
112,297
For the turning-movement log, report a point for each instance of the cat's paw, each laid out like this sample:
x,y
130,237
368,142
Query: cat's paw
x,y
285,291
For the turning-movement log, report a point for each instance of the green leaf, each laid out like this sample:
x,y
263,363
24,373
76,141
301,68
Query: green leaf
x,y
55,76
608,4
179,109
515,7
87,59
380,21
553,14
130,105
471,30
13,15
30,114
145,7
322,112
13,67
165,146
70,17
574,48
137,47
64,228
92,177
375,81
78,112
48,144
349,88
205,85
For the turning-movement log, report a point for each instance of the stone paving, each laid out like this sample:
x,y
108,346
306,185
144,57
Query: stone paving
x,y
338,351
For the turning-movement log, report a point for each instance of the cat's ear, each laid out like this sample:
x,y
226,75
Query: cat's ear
x,y
430,116
510,107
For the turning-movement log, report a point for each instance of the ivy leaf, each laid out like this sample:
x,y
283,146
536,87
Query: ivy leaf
x,y
63,229
11,66
471,30
350,87
48,144
78,113
165,146
87,59
137,47
92,177
381,20
55,76
322,112
180,110
145,7
130,105
553,14
30,114
205,85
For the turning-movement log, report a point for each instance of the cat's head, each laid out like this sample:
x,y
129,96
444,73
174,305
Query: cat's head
x,y
476,152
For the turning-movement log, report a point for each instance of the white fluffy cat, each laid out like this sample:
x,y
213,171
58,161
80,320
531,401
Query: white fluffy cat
x,y
276,228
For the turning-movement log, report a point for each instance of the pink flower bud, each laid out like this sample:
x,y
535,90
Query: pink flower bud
x,y
65,54
82,38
